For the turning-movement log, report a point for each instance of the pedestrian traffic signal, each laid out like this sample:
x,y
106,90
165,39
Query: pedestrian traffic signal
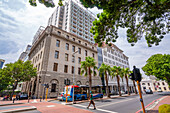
x,y
131,76
137,74
39,79
46,85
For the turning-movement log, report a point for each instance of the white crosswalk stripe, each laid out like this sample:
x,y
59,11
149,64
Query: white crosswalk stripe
x,y
107,111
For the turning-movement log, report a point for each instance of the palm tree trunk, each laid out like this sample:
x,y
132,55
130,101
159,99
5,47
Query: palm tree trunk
x,y
90,82
117,76
134,86
127,84
107,88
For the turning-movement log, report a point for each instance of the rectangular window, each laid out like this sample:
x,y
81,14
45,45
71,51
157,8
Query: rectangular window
x,y
79,50
79,60
55,67
73,39
85,52
67,46
59,33
58,43
56,54
105,60
148,84
93,55
72,70
67,36
163,83
66,68
73,59
79,70
73,48
53,87
66,57
164,88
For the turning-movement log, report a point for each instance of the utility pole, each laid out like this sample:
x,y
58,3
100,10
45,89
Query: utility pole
x,y
137,77
47,86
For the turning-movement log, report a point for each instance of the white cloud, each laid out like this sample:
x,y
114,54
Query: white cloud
x,y
28,19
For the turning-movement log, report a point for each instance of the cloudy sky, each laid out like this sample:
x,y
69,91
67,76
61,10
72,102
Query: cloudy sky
x,y
19,22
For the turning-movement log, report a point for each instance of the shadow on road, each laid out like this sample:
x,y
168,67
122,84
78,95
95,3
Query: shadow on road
x,y
103,100
165,94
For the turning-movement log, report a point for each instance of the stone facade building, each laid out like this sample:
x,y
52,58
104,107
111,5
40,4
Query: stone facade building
x,y
52,55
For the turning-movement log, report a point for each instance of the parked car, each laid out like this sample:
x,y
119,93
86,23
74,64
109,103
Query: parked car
x,y
60,95
23,96
159,90
122,92
148,91
114,93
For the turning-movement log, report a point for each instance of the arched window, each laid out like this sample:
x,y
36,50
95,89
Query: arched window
x,y
54,84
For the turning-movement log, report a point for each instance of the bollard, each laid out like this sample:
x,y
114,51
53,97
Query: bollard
x,y
28,99
40,98
13,100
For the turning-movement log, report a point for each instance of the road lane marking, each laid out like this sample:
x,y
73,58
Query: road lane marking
x,y
96,108
35,101
121,101
50,106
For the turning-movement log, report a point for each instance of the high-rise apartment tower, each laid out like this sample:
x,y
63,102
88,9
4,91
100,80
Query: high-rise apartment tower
x,y
74,18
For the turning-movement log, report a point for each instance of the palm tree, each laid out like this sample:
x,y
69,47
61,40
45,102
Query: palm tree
x,y
106,69
86,67
126,72
116,71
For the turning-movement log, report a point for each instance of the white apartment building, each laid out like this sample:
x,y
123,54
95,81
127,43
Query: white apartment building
x,y
113,56
154,85
74,18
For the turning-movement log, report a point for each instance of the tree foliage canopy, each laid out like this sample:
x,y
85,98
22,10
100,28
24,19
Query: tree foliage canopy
x,y
159,66
89,63
18,71
148,18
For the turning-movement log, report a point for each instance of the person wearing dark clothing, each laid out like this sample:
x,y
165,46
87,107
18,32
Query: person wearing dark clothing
x,y
91,101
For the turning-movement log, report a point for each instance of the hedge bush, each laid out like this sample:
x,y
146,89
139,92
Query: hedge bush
x,y
165,108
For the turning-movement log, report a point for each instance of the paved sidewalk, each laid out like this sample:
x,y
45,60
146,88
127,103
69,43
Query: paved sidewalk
x,y
166,100
43,107
4,103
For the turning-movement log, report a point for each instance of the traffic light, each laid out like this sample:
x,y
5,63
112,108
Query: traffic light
x,y
131,76
39,79
47,86
137,74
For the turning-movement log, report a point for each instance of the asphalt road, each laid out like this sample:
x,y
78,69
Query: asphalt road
x,y
129,104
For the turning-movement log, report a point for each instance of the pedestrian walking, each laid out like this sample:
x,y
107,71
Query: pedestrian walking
x,y
91,101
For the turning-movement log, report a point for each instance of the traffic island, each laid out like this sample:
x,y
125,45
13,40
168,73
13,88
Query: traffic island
x,y
18,109
10,104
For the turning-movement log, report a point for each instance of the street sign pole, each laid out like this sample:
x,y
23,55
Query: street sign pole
x,y
141,100
66,93
46,94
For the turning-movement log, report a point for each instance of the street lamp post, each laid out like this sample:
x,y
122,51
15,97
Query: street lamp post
x,y
74,73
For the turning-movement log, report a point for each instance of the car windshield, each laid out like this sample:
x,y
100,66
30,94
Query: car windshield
x,y
147,90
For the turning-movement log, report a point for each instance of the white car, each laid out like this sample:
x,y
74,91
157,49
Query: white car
x,y
159,90
122,92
